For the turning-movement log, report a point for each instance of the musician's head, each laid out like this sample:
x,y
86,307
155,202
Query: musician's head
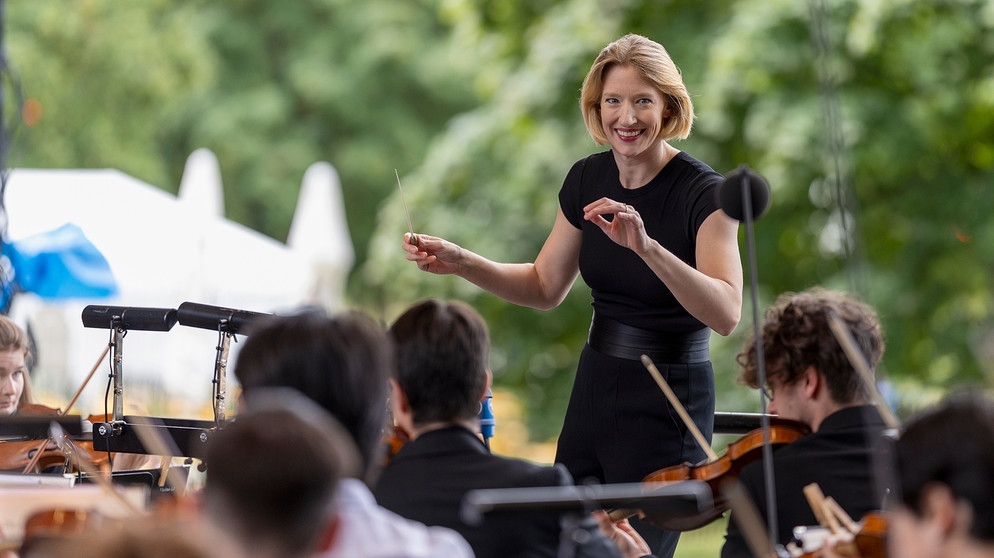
x,y
442,349
152,536
272,474
945,469
804,362
342,362
15,358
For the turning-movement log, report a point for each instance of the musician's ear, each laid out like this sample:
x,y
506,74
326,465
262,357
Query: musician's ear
x,y
490,382
940,510
811,382
398,399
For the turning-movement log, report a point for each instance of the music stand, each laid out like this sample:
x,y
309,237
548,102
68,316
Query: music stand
x,y
226,322
667,499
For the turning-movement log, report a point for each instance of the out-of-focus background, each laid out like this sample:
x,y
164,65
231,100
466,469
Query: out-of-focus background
x,y
242,154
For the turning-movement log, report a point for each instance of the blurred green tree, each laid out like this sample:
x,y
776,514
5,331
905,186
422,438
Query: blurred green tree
x,y
871,121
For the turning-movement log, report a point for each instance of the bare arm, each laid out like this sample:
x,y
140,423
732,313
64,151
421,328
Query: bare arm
x,y
542,284
711,292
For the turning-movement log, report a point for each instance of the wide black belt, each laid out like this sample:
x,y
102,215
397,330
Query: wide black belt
x,y
619,340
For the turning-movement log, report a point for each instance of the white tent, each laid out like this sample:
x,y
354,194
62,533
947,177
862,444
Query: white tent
x,y
163,250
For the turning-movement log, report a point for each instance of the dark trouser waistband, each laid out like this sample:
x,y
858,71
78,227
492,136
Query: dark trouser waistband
x,y
619,340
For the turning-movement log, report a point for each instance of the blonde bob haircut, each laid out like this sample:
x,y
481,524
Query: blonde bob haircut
x,y
654,64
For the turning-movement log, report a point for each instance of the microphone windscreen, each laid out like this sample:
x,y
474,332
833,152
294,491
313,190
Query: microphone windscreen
x,y
738,184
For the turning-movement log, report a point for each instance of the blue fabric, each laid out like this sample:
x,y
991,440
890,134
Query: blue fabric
x,y
57,264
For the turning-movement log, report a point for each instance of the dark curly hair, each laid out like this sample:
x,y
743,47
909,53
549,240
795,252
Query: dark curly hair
x,y
797,333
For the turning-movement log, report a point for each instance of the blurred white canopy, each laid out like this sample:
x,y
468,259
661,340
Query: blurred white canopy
x,y
165,250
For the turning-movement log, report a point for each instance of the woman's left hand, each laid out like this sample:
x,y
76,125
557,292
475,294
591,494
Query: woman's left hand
x,y
628,540
626,228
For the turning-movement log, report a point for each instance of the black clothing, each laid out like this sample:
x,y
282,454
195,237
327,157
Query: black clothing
x,y
619,426
429,476
839,457
673,205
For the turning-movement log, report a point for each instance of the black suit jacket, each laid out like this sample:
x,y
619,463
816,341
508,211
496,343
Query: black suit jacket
x,y
427,479
839,457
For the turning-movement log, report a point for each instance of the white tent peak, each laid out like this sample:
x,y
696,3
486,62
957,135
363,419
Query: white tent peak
x,y
165,250
320,232
319,224
201,187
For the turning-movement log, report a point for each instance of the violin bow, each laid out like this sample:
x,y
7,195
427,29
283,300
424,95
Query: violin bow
x,y
38,452
59,437
858,361
619,514
155,442
831,516
748,518
651,367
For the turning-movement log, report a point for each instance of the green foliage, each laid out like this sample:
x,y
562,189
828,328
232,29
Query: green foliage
x,y
871,120
906,78
106,76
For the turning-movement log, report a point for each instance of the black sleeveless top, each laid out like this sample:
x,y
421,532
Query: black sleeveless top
x,y
673,205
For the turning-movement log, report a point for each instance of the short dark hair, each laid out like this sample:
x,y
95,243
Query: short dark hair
x,y
951,444
272,472
341,362
442,349
797,333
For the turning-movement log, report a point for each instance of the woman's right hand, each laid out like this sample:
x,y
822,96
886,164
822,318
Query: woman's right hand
x,y
431,253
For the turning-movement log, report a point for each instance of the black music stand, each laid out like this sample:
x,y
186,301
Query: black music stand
x,y
574,503
35,427
677,499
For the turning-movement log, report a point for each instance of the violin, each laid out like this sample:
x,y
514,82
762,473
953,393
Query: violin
x,y
16,456
33,456
394,439
48,527
869,539
715,472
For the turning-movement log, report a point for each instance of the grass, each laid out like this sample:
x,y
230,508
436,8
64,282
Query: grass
x,y
704,542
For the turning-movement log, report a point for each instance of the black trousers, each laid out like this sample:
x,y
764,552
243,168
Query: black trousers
x,y
619,426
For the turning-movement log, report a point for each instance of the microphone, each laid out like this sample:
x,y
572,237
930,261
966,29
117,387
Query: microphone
x,y
204,316
129,318
487,420
744,195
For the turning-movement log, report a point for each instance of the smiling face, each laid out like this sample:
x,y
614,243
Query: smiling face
x,y
12,371
632,111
